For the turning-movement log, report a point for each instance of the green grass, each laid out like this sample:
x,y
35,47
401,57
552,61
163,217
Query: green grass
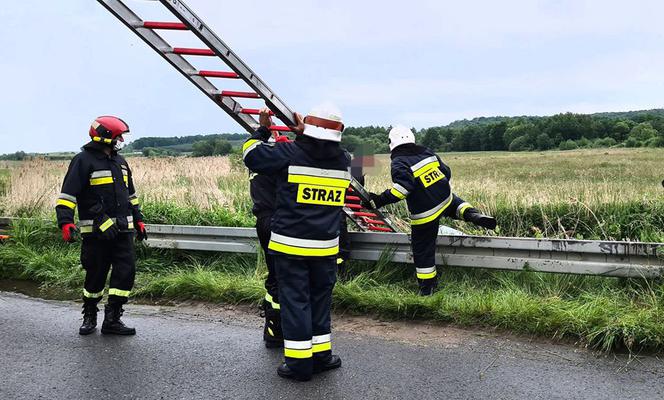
x,y
603,313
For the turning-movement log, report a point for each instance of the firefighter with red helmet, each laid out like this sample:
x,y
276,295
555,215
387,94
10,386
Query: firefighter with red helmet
x,y
99,185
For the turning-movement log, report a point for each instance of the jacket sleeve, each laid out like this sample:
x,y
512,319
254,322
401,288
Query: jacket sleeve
x,y
133,198
76,179
457,208
265,158
445,169
402,184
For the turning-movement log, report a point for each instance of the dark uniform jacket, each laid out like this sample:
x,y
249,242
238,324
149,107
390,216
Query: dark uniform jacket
x,y
421,177
263,191
312,178
98,184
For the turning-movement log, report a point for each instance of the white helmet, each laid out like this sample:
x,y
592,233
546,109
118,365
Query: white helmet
x,y
324,122
400,135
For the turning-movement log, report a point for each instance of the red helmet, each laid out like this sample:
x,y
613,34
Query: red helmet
x,y
107,129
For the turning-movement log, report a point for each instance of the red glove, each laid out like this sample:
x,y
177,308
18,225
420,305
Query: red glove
x,y
282,139
141,233
69,232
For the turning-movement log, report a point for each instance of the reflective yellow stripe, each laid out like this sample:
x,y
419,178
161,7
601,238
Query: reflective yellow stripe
x,y
425,168
100,139
248,144
269,330
319,181
134,202
66,203
431,176
320,195
340,260
294,353
424,220
273,303
317,348
303,251
92,295
118,292
85,229
106,225
101,181
427,276
397,194
463,209
125,179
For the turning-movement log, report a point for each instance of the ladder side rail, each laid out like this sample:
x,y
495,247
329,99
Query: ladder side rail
x,y
158,44
207,36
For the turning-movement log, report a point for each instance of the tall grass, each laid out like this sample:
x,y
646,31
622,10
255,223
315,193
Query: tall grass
x,y
602,313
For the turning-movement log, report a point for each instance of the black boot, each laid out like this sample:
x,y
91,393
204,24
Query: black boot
x,y
473,215
112,323
332,362
285,372
89,318
428,286
272,334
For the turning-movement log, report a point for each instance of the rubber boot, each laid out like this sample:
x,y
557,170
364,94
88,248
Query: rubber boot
x,y
89,318
113,325
272,334
473,215
285,372
427,286
332,362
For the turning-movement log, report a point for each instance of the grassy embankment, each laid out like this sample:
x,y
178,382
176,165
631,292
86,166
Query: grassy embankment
x,y
571,194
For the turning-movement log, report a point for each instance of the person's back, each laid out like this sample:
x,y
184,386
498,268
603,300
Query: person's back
x,y
312,178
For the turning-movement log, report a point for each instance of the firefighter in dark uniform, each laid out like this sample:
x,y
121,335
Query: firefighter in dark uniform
x,y
99,184
421,177
312,178
262,188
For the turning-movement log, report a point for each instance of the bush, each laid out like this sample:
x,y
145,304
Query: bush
x,y
605,142
544,142
522,143
568,145
632,142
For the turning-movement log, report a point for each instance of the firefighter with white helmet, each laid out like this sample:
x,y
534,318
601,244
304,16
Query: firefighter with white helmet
x,y
312,178
421,177
99,184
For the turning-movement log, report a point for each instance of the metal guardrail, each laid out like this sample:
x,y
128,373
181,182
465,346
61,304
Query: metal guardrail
x,y
587,257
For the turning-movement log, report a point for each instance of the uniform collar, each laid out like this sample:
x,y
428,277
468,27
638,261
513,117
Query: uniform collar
x,y
98,150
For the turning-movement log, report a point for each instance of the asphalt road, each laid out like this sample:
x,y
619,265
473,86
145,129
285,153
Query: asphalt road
x,y
216,352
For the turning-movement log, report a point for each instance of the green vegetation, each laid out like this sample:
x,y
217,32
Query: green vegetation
x,y
603,313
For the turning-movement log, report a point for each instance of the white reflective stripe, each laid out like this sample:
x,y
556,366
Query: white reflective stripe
x,y
101,174
322,173
133,195
432,211
68,197
321,339
297,344
400,189
426,270
85,222
423,163
130,219
248,149
462,205
124,167
310,243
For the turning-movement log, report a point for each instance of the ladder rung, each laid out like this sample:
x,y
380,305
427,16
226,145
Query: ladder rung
x,y
193,52
279,128
364,214
373,221
252,111
176,26
354,206
219,74
247,95
353,198
379,229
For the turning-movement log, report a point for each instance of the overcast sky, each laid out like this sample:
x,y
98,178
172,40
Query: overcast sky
x,y
419,63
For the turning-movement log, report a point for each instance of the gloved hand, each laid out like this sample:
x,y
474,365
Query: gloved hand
x,y
373,203
141,232
69,232
105,227
474,216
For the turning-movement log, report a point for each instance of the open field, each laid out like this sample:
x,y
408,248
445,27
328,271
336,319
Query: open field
x,y
591,194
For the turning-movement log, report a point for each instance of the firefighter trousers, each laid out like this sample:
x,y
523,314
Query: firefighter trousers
x,y
98,257
305,288
423,243
263,225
